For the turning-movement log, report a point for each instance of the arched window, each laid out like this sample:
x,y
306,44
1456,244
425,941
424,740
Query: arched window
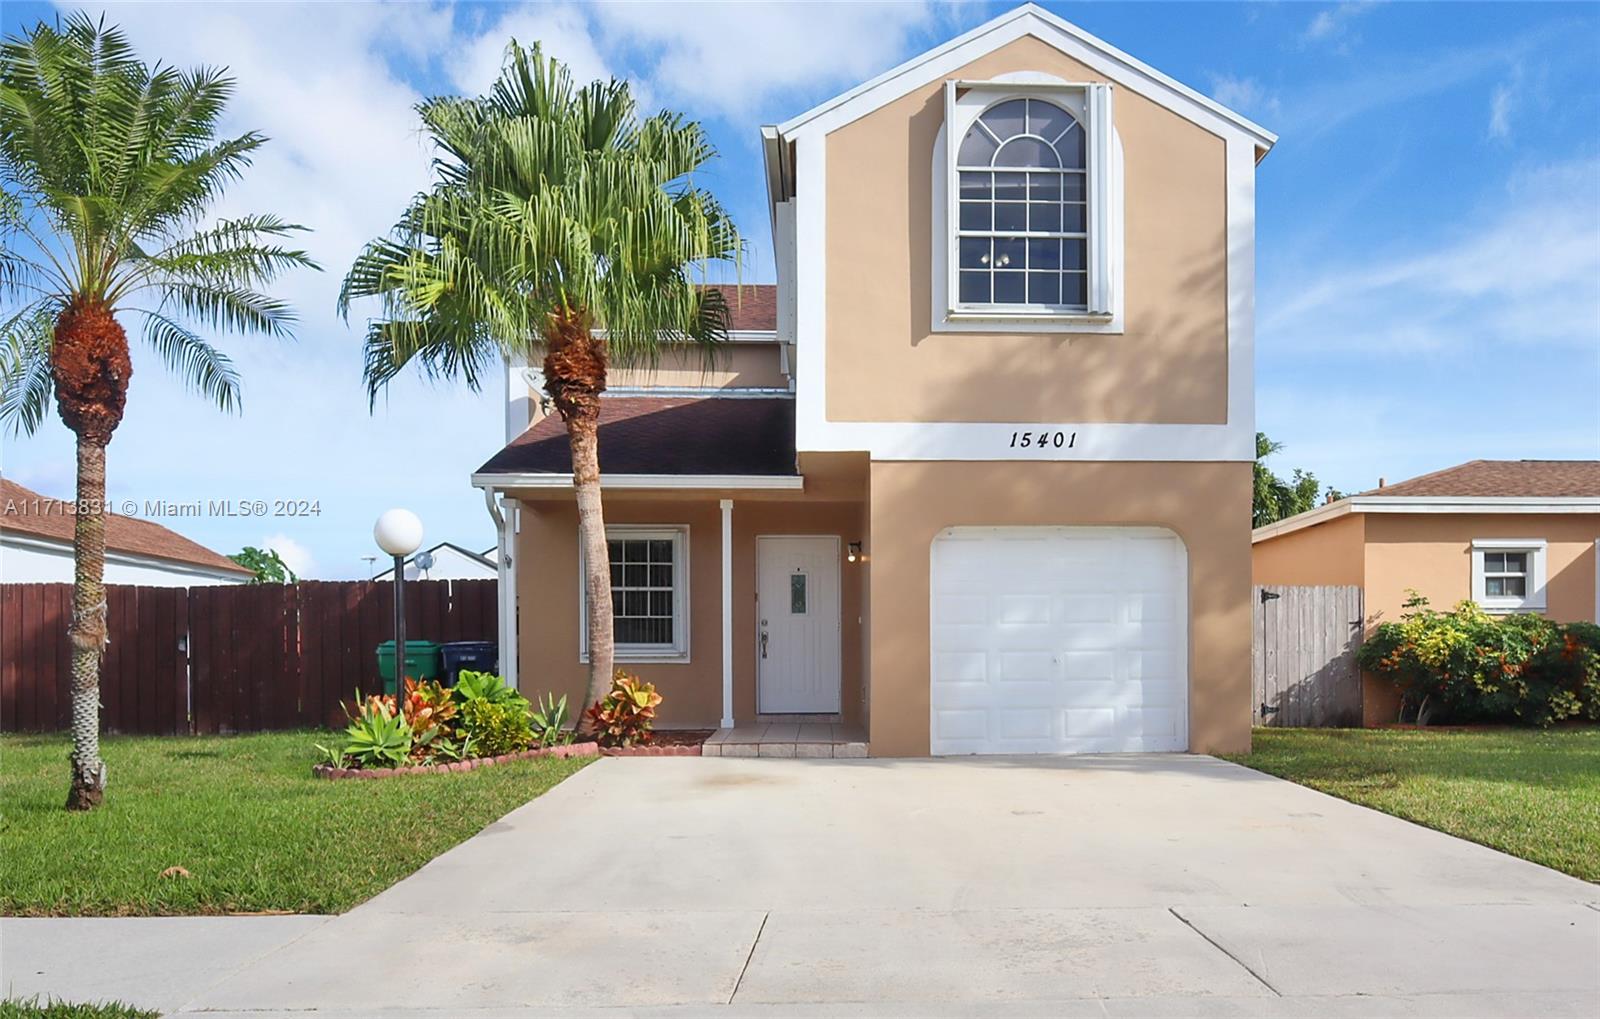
x,y
1022,230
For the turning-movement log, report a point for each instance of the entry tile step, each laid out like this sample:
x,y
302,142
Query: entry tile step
x,y
775,750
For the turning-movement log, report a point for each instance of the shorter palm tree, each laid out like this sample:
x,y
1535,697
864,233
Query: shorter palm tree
x,y
560,226
109,166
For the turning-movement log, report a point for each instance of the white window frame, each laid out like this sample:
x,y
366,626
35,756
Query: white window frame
x,y
678,650
1533,599
1090,102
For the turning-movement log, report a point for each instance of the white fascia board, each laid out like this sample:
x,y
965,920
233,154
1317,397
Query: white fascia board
x,y
721,482
120,558
1427,504
1029,19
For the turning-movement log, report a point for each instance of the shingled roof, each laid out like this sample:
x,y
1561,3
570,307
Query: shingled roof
x,y
24,511
1525,479
718,435
753,307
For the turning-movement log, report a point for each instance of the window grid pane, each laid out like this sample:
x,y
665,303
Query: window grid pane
x,y
1022,217
643,591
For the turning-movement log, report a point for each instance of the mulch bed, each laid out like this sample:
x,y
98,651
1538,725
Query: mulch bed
x,y
567,750
665,743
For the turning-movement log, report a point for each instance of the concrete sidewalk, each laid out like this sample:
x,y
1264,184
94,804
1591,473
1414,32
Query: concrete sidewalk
x,y
1148,885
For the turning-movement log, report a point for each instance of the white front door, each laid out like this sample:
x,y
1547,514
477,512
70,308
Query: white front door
x,y
797,609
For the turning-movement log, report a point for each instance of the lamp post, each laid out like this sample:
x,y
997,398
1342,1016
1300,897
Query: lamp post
x,y
399,533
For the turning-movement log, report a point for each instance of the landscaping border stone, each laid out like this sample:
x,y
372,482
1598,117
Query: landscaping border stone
x,y
328,771
650,751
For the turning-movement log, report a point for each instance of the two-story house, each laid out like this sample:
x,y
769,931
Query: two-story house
x,y
975,476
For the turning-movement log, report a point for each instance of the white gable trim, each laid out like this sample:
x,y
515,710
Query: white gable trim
x,y
1489,504
1029,19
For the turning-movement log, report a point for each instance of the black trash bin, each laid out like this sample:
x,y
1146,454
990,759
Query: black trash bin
x,y
476,655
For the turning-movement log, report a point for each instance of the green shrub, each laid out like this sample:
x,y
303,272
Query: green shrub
x,y
626,714
550,721
483,686
1466,666
497,727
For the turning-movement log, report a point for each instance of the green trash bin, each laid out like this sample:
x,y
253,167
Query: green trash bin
x,y
422,662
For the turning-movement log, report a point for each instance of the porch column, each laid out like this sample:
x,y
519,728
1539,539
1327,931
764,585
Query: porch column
x,y
727,613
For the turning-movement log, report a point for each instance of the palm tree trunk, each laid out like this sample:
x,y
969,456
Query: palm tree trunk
x,y
575,376
582,432
87,634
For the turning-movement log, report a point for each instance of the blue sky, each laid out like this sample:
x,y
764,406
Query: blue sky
x,y
1428,225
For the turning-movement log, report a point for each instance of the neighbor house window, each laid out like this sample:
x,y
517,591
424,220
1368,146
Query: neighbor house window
x,y
649,593
1032,220
1508,574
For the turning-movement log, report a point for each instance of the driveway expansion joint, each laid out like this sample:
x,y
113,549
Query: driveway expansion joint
x,y
748,956
1215,944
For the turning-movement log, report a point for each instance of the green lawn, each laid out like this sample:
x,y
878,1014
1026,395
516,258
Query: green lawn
x,y
242,815
1531,793
38,1008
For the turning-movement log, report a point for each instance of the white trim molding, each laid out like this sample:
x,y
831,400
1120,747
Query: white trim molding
x,y
1488,504
664,482
1533,597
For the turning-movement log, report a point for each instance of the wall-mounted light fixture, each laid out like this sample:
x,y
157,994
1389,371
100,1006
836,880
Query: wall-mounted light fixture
x,y
853,551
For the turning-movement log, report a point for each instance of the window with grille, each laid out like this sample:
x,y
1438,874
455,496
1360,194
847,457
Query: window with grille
x,y
1508,574
1030,202
649,592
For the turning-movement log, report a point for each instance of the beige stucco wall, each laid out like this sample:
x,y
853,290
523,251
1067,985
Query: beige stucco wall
x,y
743,365
1330,553
549,599
1205,504
1169,366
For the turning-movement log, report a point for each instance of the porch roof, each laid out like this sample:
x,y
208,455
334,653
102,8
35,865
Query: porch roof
x,y
703,436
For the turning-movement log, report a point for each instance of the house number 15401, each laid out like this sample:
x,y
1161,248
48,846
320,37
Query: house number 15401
x,y
1043,440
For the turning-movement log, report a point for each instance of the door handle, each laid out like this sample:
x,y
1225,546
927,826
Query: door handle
x,y
763,643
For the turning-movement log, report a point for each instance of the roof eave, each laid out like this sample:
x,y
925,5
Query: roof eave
x,y
1518,504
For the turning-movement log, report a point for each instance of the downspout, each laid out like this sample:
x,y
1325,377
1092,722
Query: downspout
x,y
506,568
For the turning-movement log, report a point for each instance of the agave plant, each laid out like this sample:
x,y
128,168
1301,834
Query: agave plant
x,y
377,737
550,721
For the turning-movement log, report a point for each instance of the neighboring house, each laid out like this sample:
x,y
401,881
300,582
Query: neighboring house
x,y
36,547
1511,535
447,561
976,474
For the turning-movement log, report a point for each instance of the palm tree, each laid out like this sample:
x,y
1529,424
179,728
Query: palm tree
x,y
109,166
560,224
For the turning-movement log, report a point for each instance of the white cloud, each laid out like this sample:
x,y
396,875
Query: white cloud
x,y
294,555
1243,94
1500,111
563,29
1524,271
1332,25
731,57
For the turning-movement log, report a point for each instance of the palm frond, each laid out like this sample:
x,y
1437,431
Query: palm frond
x,y
26,385
203,368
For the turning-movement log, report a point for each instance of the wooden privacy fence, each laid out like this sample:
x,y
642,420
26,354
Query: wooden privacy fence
x,y
1303,655
223,659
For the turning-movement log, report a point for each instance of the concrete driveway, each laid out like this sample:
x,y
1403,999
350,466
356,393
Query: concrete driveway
x,y
1126,885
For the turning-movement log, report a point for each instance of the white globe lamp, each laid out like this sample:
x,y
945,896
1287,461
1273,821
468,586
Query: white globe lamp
x,y
399,533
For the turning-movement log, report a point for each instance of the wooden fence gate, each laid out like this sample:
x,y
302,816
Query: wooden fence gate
x,y
1303,655
223,659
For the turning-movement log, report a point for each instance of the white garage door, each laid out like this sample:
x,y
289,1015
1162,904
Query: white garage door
x,y
1051,640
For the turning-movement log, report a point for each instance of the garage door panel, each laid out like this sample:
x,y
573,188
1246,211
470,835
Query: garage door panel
x,y
1065,640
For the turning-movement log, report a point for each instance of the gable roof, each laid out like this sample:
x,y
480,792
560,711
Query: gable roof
x,y
24,511
1527,479
716,436
1028,19
1478,486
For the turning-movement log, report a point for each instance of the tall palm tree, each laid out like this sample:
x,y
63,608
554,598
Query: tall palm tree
x,y
109,166
561,225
